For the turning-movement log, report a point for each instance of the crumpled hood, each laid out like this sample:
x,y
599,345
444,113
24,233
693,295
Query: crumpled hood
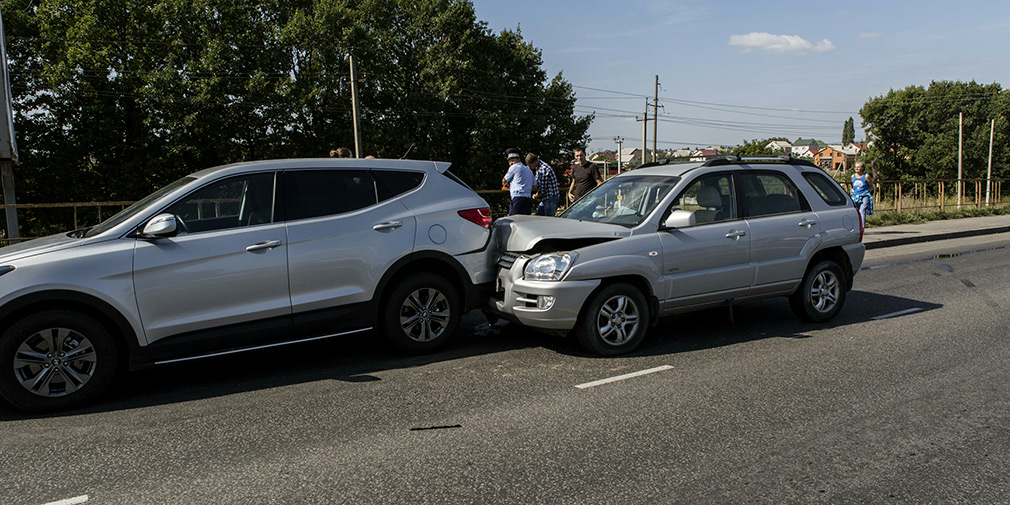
x,y
522,233
37,246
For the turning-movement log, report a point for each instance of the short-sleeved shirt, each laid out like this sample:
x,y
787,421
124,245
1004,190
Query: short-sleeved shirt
x,y
860,187
547,181
520,179
585,176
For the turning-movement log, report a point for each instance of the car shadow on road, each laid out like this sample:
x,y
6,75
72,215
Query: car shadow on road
x,y
356,359
757,320
351,358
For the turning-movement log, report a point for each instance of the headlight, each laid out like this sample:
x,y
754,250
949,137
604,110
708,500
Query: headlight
x,y
549,267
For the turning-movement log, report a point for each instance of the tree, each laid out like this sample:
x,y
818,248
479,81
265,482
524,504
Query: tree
x,y
756,147
113,98
914,131
848,132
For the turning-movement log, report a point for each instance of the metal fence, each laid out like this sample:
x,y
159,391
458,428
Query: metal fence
x,y
41,219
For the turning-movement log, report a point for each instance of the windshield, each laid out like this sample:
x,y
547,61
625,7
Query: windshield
x,y
138,206
625,200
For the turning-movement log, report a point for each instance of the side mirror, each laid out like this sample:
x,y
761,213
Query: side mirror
x,y
162,225
680,219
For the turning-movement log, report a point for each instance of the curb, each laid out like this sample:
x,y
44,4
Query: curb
x,y
935,236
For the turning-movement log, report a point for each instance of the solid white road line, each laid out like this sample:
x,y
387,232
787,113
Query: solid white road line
x,y
622,377
898,313
70,501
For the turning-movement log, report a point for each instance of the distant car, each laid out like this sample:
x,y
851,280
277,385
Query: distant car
x,y
679,237
242,257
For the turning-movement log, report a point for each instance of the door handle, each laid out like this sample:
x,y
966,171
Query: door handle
x,y
735,234
259,246
808,222
388,225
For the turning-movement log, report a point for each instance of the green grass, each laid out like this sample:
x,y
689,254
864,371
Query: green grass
x,y
890,217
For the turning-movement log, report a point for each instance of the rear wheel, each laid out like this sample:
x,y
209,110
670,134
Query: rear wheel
x,y
56,360
821,294
614,321
421,314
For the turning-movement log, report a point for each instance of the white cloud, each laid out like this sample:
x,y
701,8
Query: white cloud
x,y
870,35
779,43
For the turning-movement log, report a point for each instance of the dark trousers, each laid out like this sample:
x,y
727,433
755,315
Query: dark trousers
x,y
521,205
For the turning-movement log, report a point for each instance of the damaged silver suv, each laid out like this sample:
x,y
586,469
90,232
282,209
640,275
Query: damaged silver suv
x,y
672,238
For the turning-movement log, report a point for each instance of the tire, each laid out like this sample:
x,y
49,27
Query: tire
x,y
821,294
614,321
35,372
422,314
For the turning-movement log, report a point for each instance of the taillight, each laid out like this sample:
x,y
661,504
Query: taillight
x,y
479,217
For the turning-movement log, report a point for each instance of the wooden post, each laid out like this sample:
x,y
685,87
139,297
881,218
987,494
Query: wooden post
x,y
943,196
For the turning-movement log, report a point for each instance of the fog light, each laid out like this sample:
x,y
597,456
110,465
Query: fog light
x,y
545,302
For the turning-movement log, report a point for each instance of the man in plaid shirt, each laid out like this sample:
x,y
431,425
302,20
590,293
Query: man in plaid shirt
x,y
547,186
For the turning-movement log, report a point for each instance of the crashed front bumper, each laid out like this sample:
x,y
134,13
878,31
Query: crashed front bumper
x,y
551,305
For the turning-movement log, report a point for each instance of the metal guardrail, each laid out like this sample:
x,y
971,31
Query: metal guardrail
x,y
894,195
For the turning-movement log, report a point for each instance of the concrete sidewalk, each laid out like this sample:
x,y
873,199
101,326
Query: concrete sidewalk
x,y
888,236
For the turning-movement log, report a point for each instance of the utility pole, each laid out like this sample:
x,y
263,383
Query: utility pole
x,y
645,131
960,140
8,147
354,107
988,175
620,143
655,119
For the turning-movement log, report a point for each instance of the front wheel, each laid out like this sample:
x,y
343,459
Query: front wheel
x,y
821,294
56,360
421,314
614,321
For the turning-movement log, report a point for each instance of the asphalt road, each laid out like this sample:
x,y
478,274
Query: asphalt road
x,y
904,398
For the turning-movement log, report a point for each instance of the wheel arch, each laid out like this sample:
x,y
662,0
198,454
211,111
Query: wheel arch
x,y
839,256
640,283
435,262
119,328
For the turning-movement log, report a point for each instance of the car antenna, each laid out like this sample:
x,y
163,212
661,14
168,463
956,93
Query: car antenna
x,y
408,151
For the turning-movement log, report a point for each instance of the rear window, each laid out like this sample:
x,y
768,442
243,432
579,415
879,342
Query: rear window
x,y
314,193
390,183
456,179
827,189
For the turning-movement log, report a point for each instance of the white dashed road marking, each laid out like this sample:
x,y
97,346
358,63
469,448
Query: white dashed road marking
x,y
70,501
622,377
898,313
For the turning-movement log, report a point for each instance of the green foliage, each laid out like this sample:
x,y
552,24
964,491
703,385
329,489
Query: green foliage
x,y
114,98
888,218
756,147
848,131
914,131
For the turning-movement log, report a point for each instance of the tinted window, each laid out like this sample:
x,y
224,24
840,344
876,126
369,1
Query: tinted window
x,y
238,201
827,189
389,183
767,193
455,179
314,193
711,198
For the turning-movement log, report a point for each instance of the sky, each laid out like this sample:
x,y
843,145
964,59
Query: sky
x,y
733,70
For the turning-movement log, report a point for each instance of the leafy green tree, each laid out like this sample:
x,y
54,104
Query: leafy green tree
x,y
756,147
114,98
914,131
848,131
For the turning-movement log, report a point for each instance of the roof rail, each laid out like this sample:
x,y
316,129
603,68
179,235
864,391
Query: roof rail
x,y
737,160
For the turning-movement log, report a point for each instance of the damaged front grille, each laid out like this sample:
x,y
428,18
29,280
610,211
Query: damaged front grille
x,y
507,259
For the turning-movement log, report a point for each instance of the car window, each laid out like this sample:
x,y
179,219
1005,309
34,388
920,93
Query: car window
x,y
625,200
237,201
138,206
390,183
769,193
711,198
314,193
827,189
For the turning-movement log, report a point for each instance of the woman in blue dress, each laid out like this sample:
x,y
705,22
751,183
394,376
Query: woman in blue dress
x,y
861,184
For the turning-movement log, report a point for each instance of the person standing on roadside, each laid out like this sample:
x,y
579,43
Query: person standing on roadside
x,y
585,176
547,186
521,183
861,195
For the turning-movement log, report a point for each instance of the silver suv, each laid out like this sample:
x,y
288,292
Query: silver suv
x,y
680,237
242,257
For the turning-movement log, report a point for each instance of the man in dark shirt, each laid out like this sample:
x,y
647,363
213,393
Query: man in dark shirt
x,y
585,176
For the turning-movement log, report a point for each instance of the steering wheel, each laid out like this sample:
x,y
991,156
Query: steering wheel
x,y
180,225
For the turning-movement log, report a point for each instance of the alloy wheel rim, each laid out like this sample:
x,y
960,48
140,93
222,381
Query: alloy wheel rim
x,y
55,362
618,320
824,291
424,315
